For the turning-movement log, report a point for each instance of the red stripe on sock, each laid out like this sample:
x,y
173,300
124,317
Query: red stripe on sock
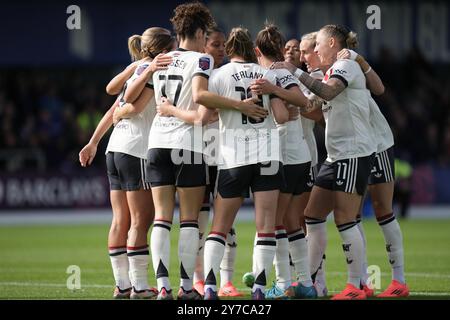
x,y
218,233
266,235
137,248
279,228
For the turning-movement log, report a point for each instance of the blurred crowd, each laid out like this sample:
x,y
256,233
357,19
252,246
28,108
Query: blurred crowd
x,y
54,111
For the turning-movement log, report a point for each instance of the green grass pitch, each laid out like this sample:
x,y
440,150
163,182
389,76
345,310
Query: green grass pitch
x,y
34,259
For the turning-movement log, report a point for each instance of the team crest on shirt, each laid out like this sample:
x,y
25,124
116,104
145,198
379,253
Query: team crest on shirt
x,y
141,68
204,63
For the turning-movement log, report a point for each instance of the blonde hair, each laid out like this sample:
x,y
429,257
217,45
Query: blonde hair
x,y
239,43
345,37
152,42
310,37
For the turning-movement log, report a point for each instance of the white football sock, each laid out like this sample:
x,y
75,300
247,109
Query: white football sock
x,y
317,244
281,261
264,254
394,247
214,250
120,267
187,252
299,253
160,247
203,220
229,257
352,245
365,276
138,260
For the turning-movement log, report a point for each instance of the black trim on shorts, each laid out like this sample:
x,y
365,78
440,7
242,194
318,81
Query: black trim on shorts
x,y
383,169
346,175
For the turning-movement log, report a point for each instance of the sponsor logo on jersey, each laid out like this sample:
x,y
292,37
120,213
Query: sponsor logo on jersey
x,y
346,247
204,63
349,261
285,79
341,72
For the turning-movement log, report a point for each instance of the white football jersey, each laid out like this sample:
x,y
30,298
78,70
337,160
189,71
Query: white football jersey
x,y
381,129
175,83
130,135
244,141
308,124
293,144
348,132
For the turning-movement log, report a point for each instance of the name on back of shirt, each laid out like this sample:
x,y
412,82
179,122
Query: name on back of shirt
x,y
247,74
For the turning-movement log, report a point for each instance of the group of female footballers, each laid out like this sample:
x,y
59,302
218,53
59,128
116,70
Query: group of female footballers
x,y
187,125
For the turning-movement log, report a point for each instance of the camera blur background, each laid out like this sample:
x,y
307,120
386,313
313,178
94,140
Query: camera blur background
x,y
52,94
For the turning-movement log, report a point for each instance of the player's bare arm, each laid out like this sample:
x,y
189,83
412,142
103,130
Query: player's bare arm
x,y
131,109
280,112
133,91
87,154
202,96
293,95
116,84
373,81
327,91
200,116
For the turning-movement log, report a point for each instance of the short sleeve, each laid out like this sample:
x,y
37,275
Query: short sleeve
x,y
272,78
344,70
204,66
214,82
286,80
139,71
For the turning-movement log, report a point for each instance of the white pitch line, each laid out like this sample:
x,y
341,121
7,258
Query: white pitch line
x,y
52,285
60,285
407,274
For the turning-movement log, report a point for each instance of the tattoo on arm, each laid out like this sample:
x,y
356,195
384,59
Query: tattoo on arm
x,y
314,103
323,90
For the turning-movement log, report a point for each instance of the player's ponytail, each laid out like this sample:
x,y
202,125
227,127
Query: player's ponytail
x,y
344,36
152,42
240,44
271,42
134,47
352,40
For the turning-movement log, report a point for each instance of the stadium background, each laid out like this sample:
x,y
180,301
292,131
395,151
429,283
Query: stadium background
x,y
52,95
